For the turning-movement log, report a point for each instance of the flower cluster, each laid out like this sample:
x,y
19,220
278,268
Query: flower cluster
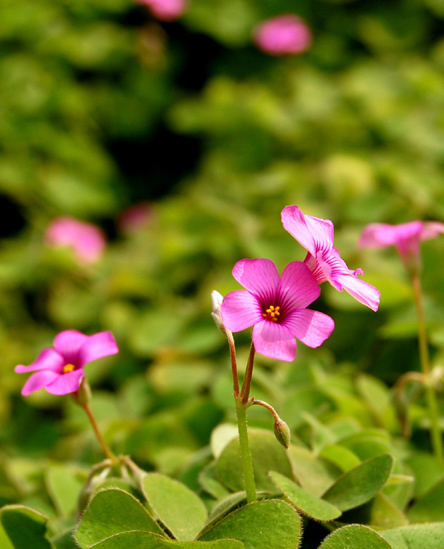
x,y
283,35
276,306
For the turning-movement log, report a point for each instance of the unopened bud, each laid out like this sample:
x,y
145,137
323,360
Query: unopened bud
x,y
216,302
83,394
282,432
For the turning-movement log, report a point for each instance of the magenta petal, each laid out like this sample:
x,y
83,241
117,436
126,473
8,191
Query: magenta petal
x,y
310,327
240,310
48,359
97,346
274,340
38,381
431,229
297,287
68,344
66,383
259,276
293,221
362,291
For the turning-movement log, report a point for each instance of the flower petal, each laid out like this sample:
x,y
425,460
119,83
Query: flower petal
x,y
97,346
68,344
48,359
312,233
362,291
311,327
274,340
38,381
258,276
297,287
240,310
380,235
66,383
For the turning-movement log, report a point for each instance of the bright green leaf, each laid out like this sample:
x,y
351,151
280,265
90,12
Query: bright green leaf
x,y
430,508
24,527
417,536
354,536
146,540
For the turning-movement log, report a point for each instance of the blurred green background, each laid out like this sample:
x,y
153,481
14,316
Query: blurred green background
x,y
103,107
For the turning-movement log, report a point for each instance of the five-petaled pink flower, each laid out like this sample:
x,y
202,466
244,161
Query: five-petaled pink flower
x,y
276,307
166,10
323,259
283,35
87,240
406,237
60,369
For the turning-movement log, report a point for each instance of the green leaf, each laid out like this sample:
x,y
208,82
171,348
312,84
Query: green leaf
x,y
378,513
360,484
24,527
65,540
146,540
418,536
342,457
430,508
354,536
110,512
267,455
64,487
176,506
314,474
260,525
305,502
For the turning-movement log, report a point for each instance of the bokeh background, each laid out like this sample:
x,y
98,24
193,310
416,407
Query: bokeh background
x,y
104,107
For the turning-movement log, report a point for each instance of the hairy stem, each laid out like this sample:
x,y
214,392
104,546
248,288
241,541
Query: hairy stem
x,y
247,464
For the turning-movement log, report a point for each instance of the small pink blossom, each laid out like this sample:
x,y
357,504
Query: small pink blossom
x,y
323,259
136,218
406,237
87,240
166,10
276,307
286,34
60,369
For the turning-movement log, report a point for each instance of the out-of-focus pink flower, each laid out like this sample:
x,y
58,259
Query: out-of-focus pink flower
x,y
406,237
283,35
323,259
136,218
276,307
166,10
87,240
60,369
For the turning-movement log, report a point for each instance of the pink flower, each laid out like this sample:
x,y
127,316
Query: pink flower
x,y
323,259
276,307
136,218
286,34
166,10
87,240
406,237
60,369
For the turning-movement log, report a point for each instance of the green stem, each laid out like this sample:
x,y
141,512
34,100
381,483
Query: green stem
x,y
432,402
233,363
247,464
98,434
246,385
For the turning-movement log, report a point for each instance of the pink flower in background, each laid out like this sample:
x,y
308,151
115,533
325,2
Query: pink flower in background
x,y
166,10
286,34
136,218
406,237
323,259
276,307
60,369
87,240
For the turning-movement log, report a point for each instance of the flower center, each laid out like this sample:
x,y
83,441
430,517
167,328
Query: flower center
x,y
68,368
272,313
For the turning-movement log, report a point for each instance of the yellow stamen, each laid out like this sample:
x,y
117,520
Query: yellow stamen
x,y
272,313
68,368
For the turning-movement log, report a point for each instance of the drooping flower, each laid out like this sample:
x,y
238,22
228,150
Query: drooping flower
x,y
276,307
87,240
59,369
316,236
283,35
166,10
406,237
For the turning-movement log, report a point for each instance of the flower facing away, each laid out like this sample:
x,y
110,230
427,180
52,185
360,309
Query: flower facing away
x,y
276,307
283,35
166,10
59,369
323,259
406,237
87,240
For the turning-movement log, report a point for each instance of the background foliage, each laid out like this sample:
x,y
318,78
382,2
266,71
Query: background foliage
x,y
103,107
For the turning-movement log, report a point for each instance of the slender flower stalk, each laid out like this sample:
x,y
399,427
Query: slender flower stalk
x,y
247,464
100,439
